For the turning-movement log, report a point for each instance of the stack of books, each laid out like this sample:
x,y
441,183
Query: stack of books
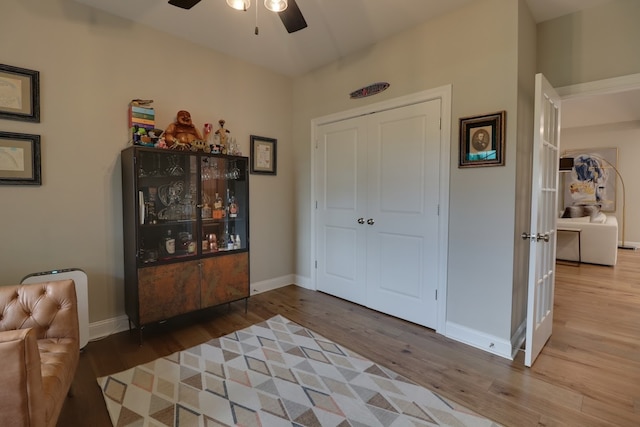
x,y
142,122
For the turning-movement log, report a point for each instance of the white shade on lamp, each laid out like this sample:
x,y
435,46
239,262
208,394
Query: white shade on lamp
x,y
276,5
239,4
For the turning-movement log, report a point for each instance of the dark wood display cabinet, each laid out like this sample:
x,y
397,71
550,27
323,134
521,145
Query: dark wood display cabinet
x,y
186,232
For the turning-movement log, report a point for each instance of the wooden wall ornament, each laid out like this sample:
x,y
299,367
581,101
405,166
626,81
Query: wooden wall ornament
x,y
372,89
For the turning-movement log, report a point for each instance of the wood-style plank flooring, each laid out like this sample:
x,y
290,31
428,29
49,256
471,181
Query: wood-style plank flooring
x,y
587,375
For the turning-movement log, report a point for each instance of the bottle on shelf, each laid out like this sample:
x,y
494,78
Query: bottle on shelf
x,y
191,246
218,207
230,243
206,211
168,244
205,243
233,207
237,244
213,242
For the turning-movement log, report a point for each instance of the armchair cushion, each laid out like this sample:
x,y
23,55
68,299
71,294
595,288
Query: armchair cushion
x,y
39,349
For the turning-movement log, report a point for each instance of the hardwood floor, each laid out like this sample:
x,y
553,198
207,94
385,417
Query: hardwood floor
x,y
587,375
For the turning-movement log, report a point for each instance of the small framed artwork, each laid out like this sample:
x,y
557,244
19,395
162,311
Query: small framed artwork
x,y
19,94
482,140
263,155
19,159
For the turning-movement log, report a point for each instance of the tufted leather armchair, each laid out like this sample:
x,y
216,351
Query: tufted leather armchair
x,y
39,351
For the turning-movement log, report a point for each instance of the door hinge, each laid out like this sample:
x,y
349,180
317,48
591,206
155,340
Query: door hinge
x,y
436,295
316,144
438,210
316,264
316,204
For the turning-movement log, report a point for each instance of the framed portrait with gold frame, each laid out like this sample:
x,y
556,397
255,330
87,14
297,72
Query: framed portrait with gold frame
x,y
482,140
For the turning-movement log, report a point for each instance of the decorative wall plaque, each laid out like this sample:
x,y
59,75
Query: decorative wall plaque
x,y
372,89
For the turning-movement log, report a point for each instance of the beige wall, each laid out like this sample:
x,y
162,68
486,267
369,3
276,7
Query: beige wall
x,y
91,65
596,44
526,69
483,68
625,137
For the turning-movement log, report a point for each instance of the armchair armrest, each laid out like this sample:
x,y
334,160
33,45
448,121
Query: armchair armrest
x,y
21,379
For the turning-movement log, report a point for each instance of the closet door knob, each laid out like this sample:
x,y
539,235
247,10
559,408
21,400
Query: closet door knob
x,y
370,221
360,220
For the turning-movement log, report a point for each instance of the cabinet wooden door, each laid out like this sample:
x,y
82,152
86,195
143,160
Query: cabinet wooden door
x,y
224,279
169,290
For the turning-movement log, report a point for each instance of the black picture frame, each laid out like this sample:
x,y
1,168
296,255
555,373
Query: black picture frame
x,y
20,159
19,94
482,140
264,159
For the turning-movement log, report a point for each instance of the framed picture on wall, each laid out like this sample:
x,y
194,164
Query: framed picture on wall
x,y
19,94
482,140
19,159
263,155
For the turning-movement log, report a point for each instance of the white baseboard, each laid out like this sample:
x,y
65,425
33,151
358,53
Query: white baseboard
x,y
486,342
305,282
104,328
271,284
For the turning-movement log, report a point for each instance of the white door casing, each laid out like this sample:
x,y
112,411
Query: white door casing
x,y
377,201
544,203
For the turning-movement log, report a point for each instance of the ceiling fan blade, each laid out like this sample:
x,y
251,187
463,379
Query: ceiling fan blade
x,y
292,18
184,4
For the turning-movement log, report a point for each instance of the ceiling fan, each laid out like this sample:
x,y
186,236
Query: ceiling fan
x,y
291,17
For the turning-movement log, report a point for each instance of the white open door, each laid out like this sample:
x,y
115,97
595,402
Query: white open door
x,y
544,205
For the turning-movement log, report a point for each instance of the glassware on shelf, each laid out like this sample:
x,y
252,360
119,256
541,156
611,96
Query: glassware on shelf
x,y
174,168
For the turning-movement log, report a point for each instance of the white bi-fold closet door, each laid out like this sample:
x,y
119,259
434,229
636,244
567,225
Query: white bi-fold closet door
x,y
377,215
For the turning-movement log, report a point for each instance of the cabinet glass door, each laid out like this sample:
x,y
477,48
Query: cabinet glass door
x,y
167,200
224,204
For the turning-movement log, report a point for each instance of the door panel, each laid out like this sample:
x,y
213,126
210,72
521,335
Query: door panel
x,y
341,201
403,193
404,253
542,236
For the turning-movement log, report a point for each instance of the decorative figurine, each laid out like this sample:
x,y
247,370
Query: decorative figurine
x,y
180,134
222,136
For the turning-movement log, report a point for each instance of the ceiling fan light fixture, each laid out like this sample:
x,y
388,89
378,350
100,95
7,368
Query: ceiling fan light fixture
x,y
239,4
276,5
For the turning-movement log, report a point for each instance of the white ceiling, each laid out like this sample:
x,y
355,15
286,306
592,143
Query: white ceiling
x,y
337,28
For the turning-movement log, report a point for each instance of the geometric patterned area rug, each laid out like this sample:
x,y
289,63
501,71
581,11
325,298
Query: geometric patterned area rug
x,y
274,373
